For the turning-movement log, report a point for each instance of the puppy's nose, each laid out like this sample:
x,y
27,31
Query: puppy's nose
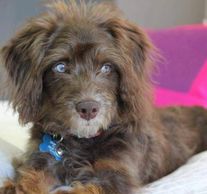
x,y
88,109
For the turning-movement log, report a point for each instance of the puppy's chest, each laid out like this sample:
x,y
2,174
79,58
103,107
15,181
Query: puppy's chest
x,y
77,161
79,157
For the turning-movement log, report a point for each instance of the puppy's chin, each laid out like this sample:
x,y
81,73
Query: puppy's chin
x,y
86,129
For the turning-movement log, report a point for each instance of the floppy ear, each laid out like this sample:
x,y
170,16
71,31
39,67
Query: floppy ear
x,y
135,65
22,58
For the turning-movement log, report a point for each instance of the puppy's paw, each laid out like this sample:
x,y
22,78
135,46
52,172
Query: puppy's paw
x,y
34,182
30,182
9,188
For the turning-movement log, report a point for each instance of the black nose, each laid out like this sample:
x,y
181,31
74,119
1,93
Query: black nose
x,y
88,109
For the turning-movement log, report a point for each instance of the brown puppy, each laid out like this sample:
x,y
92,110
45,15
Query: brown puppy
x,y
81,73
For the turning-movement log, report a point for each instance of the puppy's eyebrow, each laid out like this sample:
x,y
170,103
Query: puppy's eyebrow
x,y
52,35
82,48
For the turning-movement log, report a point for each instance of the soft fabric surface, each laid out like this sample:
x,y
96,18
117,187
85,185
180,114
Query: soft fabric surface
x,y
6,169
181,74
7,152
10,130
188,179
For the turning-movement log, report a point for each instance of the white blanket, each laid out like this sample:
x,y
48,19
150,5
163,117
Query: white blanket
x,y
6,169
188,179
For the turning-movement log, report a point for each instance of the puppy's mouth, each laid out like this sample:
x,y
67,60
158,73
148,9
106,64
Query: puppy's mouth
x,y
86,129
99,132
86,135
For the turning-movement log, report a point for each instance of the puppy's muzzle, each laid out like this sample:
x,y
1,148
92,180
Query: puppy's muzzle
x,y
88,109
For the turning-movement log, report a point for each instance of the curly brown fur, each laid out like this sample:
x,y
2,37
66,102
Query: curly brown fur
x,y
129,142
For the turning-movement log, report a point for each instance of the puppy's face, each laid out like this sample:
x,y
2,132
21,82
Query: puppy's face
x,y
81,80
81,67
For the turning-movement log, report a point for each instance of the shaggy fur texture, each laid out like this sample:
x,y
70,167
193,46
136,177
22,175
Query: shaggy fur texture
x,y
78,53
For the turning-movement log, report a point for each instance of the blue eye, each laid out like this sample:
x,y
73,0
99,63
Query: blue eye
x,y
60,67
106,68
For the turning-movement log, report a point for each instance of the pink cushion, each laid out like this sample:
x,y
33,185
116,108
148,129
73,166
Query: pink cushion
x,y
197,94
182,78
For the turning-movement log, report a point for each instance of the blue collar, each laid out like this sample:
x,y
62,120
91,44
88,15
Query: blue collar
x,y
50,145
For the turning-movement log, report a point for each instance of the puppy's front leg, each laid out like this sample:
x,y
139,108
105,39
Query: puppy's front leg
x,y
29,182
110,177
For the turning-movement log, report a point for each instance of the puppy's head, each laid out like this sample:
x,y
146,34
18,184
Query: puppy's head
x,y
80,66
